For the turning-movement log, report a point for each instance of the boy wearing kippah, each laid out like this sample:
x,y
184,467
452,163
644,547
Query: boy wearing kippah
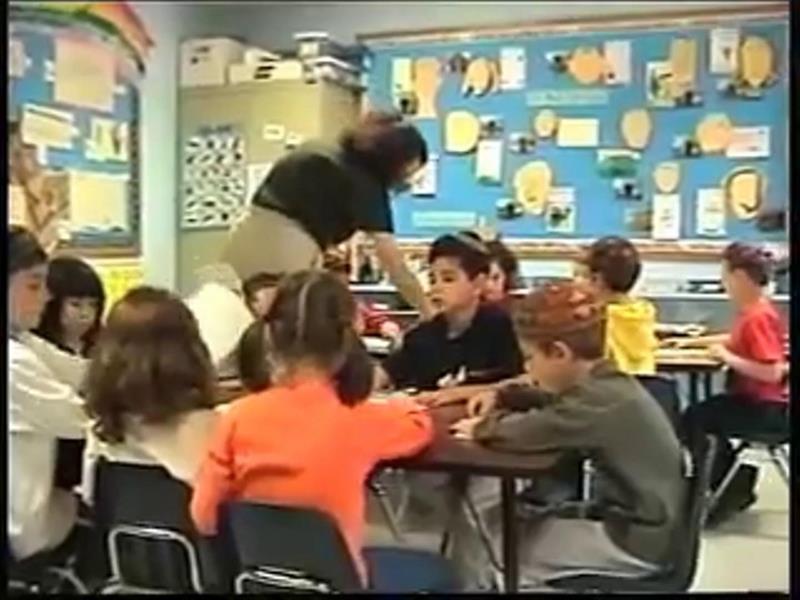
x,y
581,402
468,342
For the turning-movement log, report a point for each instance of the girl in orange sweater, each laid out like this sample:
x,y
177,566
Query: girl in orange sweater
x,y
311,440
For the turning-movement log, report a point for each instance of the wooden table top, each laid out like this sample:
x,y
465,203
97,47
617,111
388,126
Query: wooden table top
x,y
448,454
677,359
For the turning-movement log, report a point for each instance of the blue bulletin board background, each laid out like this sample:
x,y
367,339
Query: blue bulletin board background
x,y
34,88
598,212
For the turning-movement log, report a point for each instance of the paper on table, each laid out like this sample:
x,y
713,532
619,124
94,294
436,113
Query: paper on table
x,y
489,160
666,216
578,133
618,57
98,201
710,212
43,126
402,81
84,74
425,182
724,51
512,68
748,142
256,172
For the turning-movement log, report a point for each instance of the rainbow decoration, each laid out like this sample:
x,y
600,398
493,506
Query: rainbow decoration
x,y
117,19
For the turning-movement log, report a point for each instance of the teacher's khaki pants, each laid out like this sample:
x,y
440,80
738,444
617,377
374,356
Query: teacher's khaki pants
x,y
265,241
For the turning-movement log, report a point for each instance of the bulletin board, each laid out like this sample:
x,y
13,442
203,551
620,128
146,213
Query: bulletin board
x,y
76,98
460,200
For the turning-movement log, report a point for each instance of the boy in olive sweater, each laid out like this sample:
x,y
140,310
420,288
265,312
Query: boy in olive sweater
x,y
582,402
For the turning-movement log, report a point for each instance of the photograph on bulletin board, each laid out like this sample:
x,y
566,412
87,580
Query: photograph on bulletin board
x,y
73,116
640,123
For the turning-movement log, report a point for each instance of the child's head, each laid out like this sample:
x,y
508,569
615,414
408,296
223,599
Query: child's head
x,y
149,364
503,271
612,265
251,354
338,266
76,304
310,325
27,272
745,270
259,293
459,264
560,328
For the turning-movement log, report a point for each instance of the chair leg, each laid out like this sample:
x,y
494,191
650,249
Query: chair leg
x,y
737,462
386,509
780,465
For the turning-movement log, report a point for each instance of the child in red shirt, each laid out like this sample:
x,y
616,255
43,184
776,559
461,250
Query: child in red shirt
x,y
311,439
756,399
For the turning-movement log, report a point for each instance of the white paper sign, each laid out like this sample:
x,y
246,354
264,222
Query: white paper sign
x,y
618,56
724,51
560,215
666,216
402,81
488,160
273,132
512,68
425,182
710,212
749,142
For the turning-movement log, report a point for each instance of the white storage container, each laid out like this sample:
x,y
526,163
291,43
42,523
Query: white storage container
x,y
205,61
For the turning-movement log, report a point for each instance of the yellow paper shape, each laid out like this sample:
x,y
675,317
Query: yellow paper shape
x,y
545,123
636,127
666,176
84,74
532,183
714,133
426,85
744,190
586,65
578,133
461,131
98,201
478,77
756,61
683,59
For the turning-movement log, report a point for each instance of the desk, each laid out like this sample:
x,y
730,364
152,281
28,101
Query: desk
x,y
695,364
450,455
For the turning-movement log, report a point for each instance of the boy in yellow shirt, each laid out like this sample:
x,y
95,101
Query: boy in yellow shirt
x,y
611,266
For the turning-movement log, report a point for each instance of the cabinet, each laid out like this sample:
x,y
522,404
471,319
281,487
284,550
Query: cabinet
x,y
311,110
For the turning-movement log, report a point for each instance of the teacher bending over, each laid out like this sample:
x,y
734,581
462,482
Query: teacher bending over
x,y
316,197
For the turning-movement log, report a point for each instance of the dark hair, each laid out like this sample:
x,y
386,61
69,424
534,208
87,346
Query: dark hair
x,y
465,247
756,262
149,362
251,357
24,250
616,261
70,277
506,260
563,312
259,281
312,319
335,264
384,144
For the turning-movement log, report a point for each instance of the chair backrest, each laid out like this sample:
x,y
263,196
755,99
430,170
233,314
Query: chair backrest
x,y
687,534
145,513
283,539
665,391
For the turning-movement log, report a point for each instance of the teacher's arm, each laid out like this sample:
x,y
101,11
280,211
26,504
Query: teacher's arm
x,y
400,275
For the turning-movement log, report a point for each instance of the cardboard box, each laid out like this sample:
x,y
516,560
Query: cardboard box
x,y
205,61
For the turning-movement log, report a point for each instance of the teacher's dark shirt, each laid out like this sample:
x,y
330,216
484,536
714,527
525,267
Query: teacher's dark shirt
x,y
330,196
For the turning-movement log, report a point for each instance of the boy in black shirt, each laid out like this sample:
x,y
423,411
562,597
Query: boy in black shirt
x,y
467,342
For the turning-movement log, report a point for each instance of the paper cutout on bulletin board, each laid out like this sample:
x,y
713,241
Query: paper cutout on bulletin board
x,y
118,278
45,127
724,51
578,97
489,161
578,133
18,61
710,212
666,216
214,178
84,74
108,140
426,181
444,219
618,58
402,77
748,142
98,202
658,76
560,215
512,68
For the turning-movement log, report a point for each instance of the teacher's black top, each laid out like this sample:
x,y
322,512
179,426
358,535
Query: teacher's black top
x,y
330,195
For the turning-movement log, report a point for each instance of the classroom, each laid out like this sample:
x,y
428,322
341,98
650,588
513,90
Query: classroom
x,y
399,297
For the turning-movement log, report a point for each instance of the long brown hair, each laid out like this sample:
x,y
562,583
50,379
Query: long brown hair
x,y
149,362
312,320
